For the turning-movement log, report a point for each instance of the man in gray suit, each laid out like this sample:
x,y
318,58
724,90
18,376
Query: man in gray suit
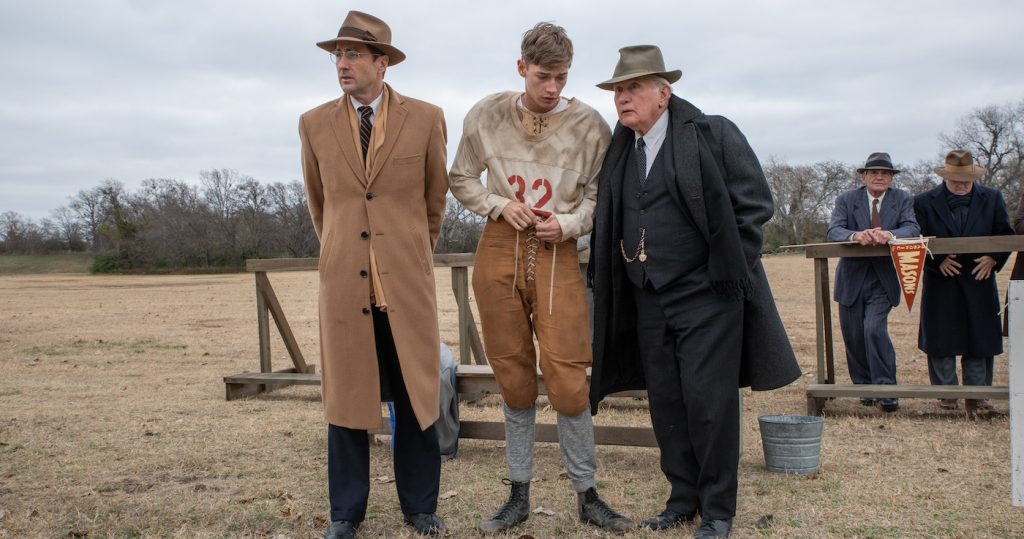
x,y
867,288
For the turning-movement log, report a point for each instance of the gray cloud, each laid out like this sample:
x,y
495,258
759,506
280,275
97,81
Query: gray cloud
x,y
136,90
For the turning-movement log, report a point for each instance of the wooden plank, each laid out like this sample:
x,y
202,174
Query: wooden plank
x,y
938,246
248,384
1016,314
274,378
603,435
281,264
272,303
263,325
441,260
908,391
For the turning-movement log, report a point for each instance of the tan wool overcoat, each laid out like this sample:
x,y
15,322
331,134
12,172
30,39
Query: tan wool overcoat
x,y
398,207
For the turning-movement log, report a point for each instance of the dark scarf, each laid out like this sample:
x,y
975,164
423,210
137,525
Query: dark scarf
x,y
727,266
959,206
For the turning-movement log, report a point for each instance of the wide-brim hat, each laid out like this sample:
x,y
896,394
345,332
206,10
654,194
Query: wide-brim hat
x,y
878,161
959,165
359,27
639,61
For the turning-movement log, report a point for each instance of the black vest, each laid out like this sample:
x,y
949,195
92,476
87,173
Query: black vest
x,y
673,243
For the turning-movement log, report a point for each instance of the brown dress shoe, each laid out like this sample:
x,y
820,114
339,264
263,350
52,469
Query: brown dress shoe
x,y
947,404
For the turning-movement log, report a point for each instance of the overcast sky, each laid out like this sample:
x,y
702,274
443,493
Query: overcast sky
x,y
139,89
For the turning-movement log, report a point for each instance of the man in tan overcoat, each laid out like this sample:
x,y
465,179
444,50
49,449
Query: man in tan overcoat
x,y
374,164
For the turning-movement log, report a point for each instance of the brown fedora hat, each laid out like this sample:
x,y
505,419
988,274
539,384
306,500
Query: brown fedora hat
x,y
359,27
959,166
639,61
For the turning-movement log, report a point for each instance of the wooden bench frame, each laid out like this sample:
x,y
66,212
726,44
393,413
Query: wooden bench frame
x,y
472,380
826,387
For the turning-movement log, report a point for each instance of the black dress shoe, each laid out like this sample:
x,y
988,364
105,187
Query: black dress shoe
x,y
867,401
668,519
889,405
428,524
341,529
713,528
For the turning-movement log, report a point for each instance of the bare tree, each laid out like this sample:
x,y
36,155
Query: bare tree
x,y
995,135
461,229
68,228
293,229
804,196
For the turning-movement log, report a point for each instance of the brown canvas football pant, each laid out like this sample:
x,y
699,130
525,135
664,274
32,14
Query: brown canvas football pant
x,y
524,287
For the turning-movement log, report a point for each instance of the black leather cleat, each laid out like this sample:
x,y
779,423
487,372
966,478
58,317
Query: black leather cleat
x,y
515,511
710,529
341,529
593,510
428,524
668,519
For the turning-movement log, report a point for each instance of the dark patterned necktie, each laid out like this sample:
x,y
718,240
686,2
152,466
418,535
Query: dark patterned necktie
x,y
876,220
365,127
641,159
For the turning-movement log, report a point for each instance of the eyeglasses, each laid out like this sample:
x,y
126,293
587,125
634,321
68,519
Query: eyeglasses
x,y
349,54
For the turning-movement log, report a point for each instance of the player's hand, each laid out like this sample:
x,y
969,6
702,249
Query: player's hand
x,y
549,230
984,268
950,267
518,215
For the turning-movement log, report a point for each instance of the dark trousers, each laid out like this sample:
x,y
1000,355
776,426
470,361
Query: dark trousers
x,y
417,456
977,370
870,356
690,344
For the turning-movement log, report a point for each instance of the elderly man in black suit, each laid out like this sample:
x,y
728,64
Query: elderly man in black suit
x,y
681,303
960,302
867,288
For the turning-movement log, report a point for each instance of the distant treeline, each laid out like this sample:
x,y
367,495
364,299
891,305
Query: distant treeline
x,y
170,224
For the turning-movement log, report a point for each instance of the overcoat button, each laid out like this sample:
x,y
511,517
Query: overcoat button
x,y
366,311
362,273
369,196
364,234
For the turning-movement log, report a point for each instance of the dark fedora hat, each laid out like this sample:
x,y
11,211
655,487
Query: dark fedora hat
x,y
959,166
359,27
639,61
878,161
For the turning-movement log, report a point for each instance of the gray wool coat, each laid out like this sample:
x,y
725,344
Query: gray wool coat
x,y
768,361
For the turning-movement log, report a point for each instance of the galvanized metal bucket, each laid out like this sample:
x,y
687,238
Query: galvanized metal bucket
x,y
792,443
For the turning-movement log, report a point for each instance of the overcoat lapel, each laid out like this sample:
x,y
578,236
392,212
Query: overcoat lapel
x,y
939,205
687,160
978,206
861,214
341,124
396,118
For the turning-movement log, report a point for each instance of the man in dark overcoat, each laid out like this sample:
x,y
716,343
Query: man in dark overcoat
x,y
959,301
682,306
867,288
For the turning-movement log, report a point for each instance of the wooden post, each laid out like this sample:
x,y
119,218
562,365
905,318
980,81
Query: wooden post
x,y
262,317
1016,314
274,306
814,404
470,345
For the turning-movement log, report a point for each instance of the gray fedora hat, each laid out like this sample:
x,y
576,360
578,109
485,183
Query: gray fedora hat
x,y
639,61
359,27
878,161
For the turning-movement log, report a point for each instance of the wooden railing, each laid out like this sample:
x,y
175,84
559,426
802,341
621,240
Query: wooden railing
x,y
474,379
826,386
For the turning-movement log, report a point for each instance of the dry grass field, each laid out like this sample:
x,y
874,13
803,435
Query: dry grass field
x,y
113,423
